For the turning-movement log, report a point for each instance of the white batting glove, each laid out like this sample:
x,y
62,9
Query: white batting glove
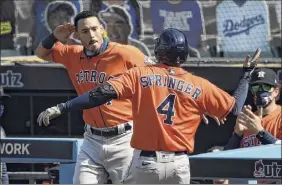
x,y
47,115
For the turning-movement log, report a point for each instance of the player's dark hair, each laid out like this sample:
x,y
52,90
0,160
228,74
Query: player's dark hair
x,y
83,15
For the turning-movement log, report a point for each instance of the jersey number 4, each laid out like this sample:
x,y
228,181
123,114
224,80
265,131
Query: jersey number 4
x,y
167,108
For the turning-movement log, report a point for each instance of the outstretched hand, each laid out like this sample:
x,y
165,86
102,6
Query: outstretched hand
x,y
251,63
47,115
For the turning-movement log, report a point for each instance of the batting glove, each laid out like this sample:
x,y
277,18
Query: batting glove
x,y
251,63
47,115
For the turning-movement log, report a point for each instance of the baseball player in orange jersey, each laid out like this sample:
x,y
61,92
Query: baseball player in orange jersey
x,y
106,151
167,104
264,125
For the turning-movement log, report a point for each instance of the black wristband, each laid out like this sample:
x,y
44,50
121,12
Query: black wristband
x,y
62,107
49,41
266,138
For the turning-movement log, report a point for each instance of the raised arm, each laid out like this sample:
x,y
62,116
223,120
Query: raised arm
x,y
241,92
61,33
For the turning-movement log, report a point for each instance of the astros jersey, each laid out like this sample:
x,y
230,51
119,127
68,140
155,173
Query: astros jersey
x,y
168,104
86,73
272,123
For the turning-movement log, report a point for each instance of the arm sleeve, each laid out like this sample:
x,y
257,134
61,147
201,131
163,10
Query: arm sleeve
x,y
119,87
266,138
241,93
61,53
215,101
125,84
96,97
234,142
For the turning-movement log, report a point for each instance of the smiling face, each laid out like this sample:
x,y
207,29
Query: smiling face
x,y
90,32
117,28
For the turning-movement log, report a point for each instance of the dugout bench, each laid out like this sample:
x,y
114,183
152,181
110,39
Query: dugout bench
x,y
251,163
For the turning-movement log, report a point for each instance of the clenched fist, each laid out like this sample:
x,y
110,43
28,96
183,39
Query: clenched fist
x,y
47,115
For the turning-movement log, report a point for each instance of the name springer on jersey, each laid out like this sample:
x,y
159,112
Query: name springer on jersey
x,y
171,83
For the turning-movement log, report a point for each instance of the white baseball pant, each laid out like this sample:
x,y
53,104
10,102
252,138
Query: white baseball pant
x,y
101,158
165,168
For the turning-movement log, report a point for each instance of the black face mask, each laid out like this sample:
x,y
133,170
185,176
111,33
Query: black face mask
x,y
262,98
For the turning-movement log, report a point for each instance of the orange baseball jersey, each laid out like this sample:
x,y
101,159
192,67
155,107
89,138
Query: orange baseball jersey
x,y
86,73
272,123
168,104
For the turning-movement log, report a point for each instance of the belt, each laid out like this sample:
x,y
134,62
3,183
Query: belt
x,y
110,133
153,153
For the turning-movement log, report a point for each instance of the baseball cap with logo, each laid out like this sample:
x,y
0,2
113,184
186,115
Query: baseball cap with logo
x,y
264,76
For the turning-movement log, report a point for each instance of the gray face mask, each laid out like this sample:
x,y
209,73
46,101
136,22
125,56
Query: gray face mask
x,y
263,98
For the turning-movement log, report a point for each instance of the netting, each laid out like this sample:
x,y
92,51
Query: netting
x,y
226,28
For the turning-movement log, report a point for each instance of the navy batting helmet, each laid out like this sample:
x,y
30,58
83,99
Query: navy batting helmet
x,y
171,47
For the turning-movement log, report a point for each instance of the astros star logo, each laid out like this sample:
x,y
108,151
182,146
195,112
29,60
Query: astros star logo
x,y
261,74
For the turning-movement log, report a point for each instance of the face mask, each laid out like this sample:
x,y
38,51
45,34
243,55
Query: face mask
x,y
263,98
1,110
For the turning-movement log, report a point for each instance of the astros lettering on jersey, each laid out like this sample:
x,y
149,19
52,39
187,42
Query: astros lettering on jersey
x,y
86,73
272,123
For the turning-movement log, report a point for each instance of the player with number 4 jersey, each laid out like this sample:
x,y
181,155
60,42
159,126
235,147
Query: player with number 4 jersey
x,y
168,104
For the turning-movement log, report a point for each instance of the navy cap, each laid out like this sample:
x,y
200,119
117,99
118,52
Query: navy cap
x,y
264,76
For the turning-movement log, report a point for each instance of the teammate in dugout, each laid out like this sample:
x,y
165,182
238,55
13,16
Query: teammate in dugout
x,y
168,104
105,152
264,125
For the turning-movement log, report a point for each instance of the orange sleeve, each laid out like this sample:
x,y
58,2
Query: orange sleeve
x,y
278,132
124,85
134,57
61,53
215,101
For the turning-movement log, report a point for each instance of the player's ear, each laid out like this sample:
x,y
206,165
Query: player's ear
x,y
276,93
